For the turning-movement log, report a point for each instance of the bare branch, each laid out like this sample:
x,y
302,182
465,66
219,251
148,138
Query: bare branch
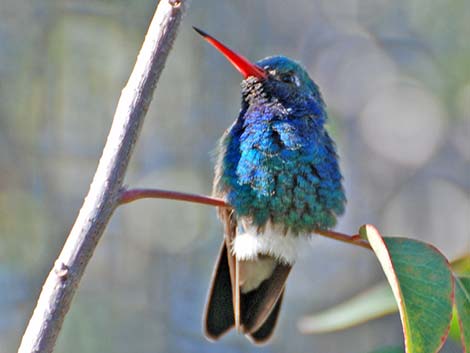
x,y
350,239
137,194
105,190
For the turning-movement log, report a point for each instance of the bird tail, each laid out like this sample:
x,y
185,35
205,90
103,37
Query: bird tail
x,y
253,313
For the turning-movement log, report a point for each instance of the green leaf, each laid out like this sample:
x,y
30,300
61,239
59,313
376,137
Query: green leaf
x,y
461,265
422,284
454,330
375,302
462,304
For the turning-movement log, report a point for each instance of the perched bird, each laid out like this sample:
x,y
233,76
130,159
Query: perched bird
x,y
278,169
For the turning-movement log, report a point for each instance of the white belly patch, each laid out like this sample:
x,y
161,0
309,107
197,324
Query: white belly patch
x,y
248,243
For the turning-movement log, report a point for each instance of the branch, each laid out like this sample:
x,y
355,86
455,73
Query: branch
x,y
128,196
105,189
350,239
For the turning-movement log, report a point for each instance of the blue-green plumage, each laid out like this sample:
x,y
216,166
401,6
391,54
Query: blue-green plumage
x,y
277,162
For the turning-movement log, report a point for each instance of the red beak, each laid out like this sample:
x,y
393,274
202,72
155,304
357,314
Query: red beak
x,y
242,64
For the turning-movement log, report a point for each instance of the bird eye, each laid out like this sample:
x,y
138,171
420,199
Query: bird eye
x,y
287,78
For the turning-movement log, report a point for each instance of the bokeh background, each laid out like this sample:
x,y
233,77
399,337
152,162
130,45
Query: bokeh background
x,y
396,79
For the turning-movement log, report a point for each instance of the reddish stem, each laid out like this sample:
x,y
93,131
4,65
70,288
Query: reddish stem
x,y
350,239
136,194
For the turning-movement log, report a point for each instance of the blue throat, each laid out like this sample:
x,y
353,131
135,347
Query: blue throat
x,y
277,162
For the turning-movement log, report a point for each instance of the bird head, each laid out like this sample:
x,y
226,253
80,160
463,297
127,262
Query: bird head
x,y
275,78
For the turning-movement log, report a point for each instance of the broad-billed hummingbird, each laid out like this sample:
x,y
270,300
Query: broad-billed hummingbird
x,y
278,169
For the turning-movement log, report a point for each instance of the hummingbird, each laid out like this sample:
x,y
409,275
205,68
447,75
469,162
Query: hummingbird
x,y
278,168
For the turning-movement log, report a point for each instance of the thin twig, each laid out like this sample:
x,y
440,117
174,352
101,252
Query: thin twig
x,y
105,190
128,196
137,194
350,239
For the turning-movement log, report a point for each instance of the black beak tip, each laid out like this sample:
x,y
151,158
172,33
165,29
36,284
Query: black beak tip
x,y
201,32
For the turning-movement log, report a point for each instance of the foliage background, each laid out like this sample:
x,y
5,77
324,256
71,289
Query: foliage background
x,y
395,76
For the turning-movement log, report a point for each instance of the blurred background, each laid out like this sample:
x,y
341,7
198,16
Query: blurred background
x,y
394,74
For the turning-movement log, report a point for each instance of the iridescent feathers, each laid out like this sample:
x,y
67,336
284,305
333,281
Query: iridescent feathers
x,y
277,162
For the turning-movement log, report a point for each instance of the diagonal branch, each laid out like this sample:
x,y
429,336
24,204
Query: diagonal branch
x,y
104,194
130,195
